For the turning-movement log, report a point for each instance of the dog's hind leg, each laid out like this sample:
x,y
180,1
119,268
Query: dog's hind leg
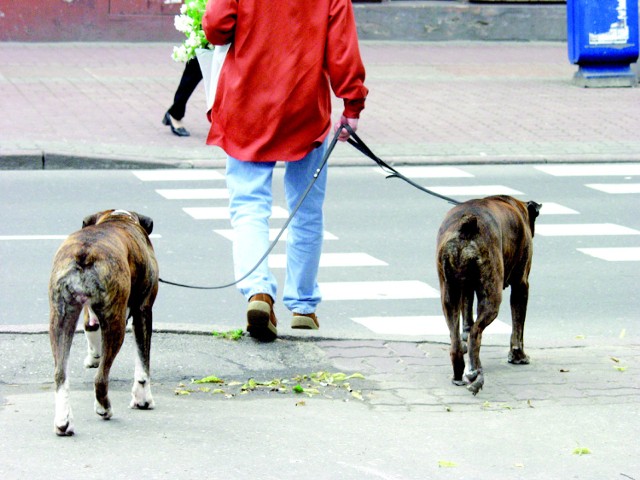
x,y
141,391
94,337
488,306
467,316
519,300
451,307
63,320
113,328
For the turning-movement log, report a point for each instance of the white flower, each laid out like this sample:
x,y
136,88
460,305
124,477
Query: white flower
x,y
183,23
180,54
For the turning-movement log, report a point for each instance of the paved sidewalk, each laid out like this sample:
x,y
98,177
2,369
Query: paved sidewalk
x,y
402,420
100,105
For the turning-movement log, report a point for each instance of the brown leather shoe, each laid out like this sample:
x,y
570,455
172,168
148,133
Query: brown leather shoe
x,y
305,321
261,320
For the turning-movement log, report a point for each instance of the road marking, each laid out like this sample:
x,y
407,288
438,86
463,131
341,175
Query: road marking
x,y
475,190
357,259
222,213
230,234
390,290
615,187
194,193
551,208
591,170
584,229
420,325
614,254
429,172
180,175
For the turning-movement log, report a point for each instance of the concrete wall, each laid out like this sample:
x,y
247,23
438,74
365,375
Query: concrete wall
x,y
152,20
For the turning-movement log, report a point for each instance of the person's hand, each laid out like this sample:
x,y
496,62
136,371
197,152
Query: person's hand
x,y
344,134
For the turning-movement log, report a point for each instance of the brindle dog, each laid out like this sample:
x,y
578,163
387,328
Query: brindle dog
x,y
106,272
483,246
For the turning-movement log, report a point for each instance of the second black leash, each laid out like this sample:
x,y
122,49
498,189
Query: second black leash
x,y
362,147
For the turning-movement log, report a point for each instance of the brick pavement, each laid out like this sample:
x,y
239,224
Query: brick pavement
x,y
83,104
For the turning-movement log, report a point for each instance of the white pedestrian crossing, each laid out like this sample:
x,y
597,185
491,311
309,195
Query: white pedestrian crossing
x,y
178,175
591,170
194,193
615,188
474,190
583,229
429,172
229,234
614,254
222,213
377,290
551,208
329,260
420,325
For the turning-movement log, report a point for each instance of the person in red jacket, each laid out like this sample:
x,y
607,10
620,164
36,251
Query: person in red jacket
x,y
273,103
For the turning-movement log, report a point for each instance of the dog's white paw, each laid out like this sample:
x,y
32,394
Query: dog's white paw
x,y
91,361
141,397
63,424
63,420
105,413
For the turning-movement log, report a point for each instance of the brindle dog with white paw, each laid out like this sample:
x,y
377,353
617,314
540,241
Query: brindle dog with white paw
x,y
484,246
105,272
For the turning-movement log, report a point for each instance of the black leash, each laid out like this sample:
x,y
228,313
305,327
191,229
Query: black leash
x,y
359,145
393,173
325,158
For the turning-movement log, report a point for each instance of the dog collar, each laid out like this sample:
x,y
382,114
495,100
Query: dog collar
x,y
123,213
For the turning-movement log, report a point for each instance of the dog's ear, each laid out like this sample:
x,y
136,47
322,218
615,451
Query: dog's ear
x,y
146,223
533,209
91,219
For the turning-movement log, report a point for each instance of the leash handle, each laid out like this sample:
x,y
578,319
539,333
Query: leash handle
x,y
324,161
362,147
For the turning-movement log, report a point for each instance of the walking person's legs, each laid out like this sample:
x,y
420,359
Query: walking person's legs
x,y
301,293
250,201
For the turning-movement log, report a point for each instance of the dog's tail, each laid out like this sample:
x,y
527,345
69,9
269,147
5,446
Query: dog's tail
x,y
468,227
459,254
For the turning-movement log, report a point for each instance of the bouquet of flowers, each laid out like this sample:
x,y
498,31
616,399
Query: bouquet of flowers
x,y
189,22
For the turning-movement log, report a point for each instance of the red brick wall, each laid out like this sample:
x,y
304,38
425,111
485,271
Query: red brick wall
x,y
88,20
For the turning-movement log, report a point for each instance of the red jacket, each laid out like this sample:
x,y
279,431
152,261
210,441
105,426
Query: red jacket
x,y
273,100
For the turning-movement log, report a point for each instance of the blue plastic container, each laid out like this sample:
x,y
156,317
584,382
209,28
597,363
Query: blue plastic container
x,y
603,41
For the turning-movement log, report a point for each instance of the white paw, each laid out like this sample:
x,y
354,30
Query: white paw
x,y
141,397
91,362
63,426
100,410
63,420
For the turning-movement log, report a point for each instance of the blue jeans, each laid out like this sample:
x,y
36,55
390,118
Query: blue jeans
x,y
250,201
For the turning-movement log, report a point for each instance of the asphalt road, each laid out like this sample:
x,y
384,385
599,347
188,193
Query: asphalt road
x,y
378,273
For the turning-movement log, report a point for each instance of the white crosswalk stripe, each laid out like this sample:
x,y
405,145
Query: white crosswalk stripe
x,y
429,172
591,170
194,193
585,229
222,213
327,260
615,188
377,290
474,190
420,325
229,234
614,254
180,175
551,208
